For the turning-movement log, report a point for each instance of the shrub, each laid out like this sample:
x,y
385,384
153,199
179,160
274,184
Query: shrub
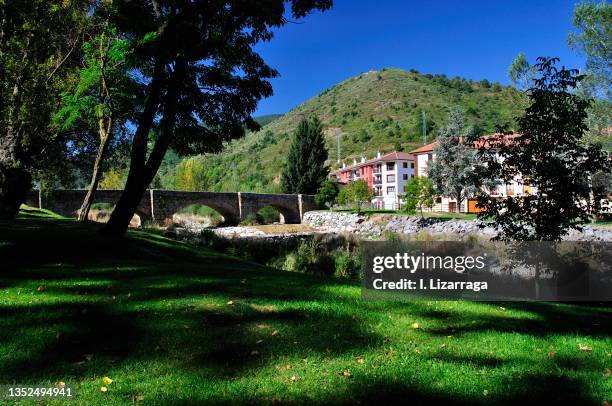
x,y
249,220
268,215
326,194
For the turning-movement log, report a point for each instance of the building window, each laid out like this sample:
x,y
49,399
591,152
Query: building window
x,y
438,200
429,157
411,165
390,166
405,164
390,178
405,176
390,189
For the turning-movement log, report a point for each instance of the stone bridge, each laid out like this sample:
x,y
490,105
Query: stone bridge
x,y
159,205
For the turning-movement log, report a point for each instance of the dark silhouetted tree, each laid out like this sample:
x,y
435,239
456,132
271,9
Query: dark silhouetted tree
x,y
204,78
548,155
305,169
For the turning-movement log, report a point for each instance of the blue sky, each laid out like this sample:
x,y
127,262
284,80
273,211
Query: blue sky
x,y
467,38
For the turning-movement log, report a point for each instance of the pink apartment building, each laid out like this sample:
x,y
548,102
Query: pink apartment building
x,y
386,175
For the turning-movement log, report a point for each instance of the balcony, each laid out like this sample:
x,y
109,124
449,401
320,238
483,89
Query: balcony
x,y
377,180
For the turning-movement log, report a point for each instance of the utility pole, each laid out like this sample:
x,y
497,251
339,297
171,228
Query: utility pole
x,y
424,128
338,132
234,174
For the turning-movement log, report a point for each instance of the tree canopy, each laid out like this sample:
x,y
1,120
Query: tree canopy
x,y
453,171
204,79
305,169
550,157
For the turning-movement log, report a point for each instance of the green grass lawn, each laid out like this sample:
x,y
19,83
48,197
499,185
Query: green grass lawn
x,y
172,325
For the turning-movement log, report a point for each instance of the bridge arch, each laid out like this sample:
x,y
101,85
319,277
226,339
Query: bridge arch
x,y
165,203
67,202
287,205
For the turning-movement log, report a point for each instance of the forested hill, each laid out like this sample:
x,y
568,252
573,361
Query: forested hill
x,y
376,110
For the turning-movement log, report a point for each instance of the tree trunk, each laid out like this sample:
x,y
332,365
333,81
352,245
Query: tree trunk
x,y
14,180
14,186
143,171
105,137
537,280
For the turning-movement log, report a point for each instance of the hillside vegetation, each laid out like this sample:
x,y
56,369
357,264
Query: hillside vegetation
x,y
374,110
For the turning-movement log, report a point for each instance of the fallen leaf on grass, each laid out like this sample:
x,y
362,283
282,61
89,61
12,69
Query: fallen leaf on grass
x,y
552,354
258,342
607,373
88,357
231,302
360,360
103,389
293,378
585,348
346,373
253,353
274,333
40,289
60,384
285,367
107,381
414,325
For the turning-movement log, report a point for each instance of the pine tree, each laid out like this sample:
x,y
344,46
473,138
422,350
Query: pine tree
x,y
305,169
453,171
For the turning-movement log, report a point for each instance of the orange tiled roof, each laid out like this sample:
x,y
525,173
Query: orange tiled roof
x,y
425,148
484,140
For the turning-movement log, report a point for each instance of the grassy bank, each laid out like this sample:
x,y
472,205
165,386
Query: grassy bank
x,y
172,325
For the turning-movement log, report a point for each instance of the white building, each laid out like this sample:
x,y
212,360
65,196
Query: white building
x,y
425,154
386,175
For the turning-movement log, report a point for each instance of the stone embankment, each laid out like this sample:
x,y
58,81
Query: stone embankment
x,y
376,225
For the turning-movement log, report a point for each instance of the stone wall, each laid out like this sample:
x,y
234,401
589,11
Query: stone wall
x,y
376,225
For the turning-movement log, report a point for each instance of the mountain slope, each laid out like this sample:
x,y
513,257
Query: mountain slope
x,y
376,110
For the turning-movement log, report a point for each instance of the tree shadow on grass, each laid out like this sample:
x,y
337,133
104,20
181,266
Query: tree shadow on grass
x,y
221,341
550,319
217,343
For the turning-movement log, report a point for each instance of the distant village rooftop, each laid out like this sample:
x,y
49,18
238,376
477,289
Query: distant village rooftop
x,y
484,140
